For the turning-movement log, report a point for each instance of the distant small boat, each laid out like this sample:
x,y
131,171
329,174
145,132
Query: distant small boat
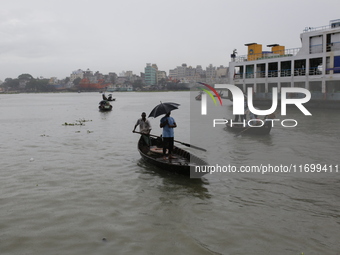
x,y
104,106
199,96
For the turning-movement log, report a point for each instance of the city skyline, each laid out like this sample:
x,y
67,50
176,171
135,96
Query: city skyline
x,y
122,73
52,38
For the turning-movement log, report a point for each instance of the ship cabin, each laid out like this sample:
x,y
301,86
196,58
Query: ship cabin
x,y
315,66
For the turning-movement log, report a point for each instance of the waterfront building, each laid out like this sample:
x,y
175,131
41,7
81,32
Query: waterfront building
x,y
210,71
77,74
315,66
160,75
150,75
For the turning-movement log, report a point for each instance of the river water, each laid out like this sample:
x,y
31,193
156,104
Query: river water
x,y
84,189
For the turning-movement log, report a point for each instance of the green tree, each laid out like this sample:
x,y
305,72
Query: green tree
x,y
137,84
11,84
76,81
25,76
38,85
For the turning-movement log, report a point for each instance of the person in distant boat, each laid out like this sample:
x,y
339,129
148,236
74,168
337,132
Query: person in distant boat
x,y
168,124
110,97
270,116
104,97
253,117
144,128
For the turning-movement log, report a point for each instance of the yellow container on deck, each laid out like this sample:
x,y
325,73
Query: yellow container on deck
x,y
254,51
278,50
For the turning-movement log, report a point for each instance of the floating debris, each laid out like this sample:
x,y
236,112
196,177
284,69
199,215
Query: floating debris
x,y
80,122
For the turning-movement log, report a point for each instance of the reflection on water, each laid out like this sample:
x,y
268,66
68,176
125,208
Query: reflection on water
x,y
171,182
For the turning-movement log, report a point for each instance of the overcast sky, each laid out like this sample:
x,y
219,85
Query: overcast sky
x,y
52,38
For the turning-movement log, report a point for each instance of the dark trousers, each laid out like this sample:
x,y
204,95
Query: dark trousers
x,y
168,143
243,117
146,139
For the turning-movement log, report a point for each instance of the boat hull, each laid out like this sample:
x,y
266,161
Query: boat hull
x,y
184,163
104,106
102,109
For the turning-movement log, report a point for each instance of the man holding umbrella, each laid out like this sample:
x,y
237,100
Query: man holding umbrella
x,y
168,124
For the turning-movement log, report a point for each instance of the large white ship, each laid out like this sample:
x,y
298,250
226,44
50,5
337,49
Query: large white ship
x,y
315,66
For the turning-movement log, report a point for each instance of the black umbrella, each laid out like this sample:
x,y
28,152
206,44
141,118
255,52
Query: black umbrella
x,y
163,108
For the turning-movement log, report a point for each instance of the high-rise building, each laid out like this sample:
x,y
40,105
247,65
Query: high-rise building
x,y
150,74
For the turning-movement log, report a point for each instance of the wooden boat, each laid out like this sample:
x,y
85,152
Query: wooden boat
x,y
251,130
183,163
199,96
104,106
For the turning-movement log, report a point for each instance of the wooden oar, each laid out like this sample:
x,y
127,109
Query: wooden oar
x,y
186,144
242,131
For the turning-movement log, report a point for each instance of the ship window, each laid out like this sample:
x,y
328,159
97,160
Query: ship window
x,y
238,72
271,86
315,66
333,42
249,86
299,67
285,85
260,70
315,44
332,87
240,86
298,95
272,69
315,86
260,88
335,68
250,71
328,43
286,68
299,84
336,64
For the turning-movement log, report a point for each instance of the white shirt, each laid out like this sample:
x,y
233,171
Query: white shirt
x,y
144,126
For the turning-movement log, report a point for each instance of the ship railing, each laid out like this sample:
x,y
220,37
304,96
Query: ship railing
x,y
334,46
334,70
286,73
315,49
310,29
282,73
299,72
260,74
267,55
249,75
315,71
273,73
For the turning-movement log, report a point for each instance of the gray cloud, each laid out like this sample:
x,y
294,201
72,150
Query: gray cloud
x,y
53,38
